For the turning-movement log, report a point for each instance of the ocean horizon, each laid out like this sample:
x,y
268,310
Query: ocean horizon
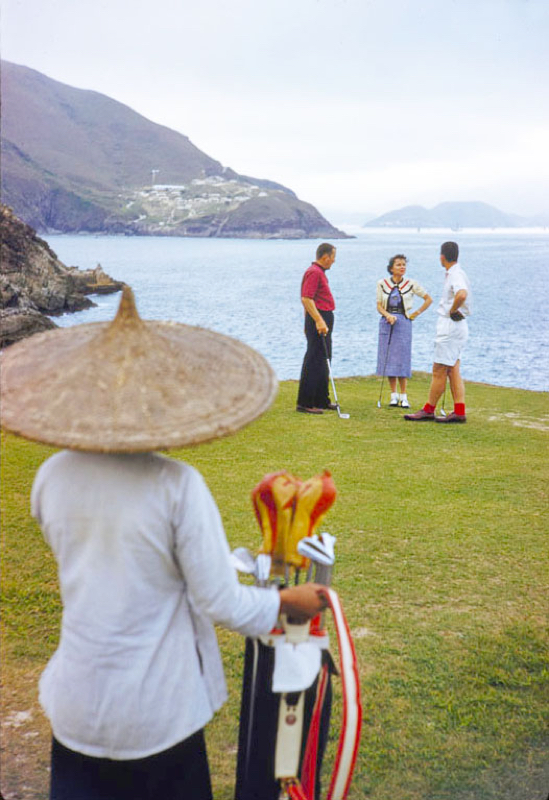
x,y
249,289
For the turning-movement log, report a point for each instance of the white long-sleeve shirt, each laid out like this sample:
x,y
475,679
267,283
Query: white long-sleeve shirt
x,y
144,573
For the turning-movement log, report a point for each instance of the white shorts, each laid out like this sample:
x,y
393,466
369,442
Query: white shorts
x,y
450,340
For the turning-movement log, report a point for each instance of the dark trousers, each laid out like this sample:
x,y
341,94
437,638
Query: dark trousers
x,y
313,385
180,773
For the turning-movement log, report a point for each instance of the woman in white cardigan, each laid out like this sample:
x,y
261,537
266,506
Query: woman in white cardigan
x,y
395,297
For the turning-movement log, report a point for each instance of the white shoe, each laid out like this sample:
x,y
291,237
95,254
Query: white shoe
x,y
394,399
404,401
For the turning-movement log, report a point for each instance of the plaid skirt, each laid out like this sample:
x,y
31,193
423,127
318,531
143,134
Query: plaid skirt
x,y
398,360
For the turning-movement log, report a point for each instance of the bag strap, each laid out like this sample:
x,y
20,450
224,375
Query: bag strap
x,y
352,711
349,737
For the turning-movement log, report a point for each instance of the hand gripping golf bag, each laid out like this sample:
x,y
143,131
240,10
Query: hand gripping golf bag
x,y
286,701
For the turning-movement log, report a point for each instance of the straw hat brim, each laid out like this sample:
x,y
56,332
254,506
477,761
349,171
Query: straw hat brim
x,y
132,385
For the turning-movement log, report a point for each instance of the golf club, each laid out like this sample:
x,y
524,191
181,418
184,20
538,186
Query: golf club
x,y
442,411
243,561
339,413
262,568
320,550
385,365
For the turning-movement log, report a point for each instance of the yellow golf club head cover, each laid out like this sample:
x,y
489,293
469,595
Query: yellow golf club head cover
x,y
273,500
314,498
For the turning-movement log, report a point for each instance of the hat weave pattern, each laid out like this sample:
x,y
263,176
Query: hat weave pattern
x,y
132,385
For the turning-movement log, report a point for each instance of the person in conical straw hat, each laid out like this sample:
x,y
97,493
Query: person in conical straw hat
x,y
143,559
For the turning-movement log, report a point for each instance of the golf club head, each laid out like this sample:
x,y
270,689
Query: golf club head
x,y
262,568
379,403
243,561
329,542
343,416
442,412
314,548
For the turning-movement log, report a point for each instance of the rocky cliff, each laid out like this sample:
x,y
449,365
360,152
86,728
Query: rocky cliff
x,y
78,161
35,285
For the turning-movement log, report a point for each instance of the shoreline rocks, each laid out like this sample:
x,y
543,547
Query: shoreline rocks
x,y
35,284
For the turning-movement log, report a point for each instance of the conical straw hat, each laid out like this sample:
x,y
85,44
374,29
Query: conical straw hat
x,y
132,385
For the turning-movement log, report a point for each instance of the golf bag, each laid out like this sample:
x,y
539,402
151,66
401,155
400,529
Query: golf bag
x,y
286,703
260,711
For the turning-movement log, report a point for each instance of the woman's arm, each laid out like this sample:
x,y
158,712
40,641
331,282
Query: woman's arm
x,y
391,319
426,303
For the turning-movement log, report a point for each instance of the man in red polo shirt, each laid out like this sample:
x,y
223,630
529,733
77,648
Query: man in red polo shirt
x,y
319,307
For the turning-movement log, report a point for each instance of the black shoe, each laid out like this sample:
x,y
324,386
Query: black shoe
x,y
420,416
331,407
305,410
453,417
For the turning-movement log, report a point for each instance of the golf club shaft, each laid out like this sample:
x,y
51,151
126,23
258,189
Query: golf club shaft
x,y
329,366
323,573
329,363
385,365
443,409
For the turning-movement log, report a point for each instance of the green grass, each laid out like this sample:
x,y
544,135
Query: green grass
x,y
442,567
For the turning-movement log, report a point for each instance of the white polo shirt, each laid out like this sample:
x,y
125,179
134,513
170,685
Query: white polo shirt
x,y
144,573
454,280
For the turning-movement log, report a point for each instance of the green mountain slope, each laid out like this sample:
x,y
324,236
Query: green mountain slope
x,y
76,160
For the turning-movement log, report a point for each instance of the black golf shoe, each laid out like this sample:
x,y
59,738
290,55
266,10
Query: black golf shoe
x,y
420,416
452,418
305,410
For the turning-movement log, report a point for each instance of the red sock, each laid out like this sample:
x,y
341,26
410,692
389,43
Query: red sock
x,y
459,408
429,408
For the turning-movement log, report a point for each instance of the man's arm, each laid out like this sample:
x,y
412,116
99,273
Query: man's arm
x,y
311,309
459,298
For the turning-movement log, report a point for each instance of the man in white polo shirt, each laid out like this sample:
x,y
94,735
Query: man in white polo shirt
x,y
451,335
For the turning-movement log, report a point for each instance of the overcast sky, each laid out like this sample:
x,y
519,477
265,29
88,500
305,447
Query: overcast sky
x,y
359,106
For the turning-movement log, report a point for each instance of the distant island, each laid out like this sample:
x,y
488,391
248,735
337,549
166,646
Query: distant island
x,y
76,161
454,215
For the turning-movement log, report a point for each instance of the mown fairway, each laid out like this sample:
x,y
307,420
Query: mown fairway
x,y
442,567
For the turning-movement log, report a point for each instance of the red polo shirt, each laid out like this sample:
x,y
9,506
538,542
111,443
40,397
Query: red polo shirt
x,y
315,285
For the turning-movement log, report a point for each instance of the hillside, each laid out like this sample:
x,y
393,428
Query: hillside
x,y
78,161
450,215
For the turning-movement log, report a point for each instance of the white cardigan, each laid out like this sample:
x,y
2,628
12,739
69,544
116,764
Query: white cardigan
x,y
408,288
144,573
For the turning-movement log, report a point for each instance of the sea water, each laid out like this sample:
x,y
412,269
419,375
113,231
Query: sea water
x,y
249,289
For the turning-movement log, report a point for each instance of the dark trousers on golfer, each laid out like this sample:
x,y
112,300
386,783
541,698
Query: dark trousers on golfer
x,y
179,773
313,385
